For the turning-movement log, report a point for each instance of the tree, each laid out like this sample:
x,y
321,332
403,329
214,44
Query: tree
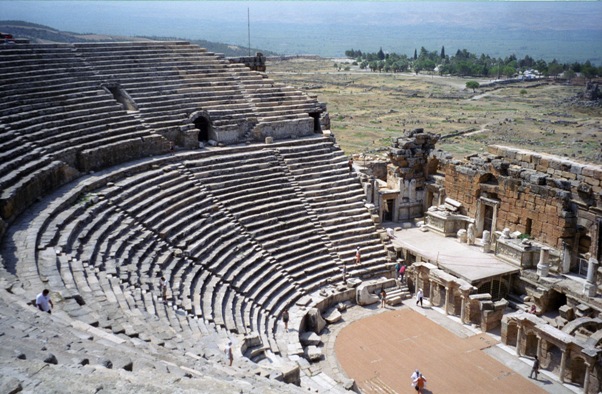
x,y
554,69
588,70
474,85
569,74
415,54
381,54
442,55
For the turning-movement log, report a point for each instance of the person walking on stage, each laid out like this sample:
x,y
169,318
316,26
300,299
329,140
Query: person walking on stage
x,y
419,297
535,369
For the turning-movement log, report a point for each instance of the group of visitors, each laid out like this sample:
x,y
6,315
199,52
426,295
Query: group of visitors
x,y
418,381
400,271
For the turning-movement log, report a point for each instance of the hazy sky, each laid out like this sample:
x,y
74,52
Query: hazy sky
x,y
127,16
278,25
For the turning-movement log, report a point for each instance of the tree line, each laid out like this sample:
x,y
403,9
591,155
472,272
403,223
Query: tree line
x,y
464,63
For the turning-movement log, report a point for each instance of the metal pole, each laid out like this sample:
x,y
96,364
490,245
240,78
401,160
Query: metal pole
x,y
249,29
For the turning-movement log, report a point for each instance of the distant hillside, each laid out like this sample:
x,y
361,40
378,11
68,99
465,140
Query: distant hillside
x,y
44,34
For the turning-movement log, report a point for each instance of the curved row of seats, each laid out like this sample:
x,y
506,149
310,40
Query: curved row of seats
x,y
62,110
58,122
239,233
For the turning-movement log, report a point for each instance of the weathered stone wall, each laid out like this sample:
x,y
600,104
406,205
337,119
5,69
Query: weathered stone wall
x,y
17,198
409,157
284,129
108,155
541,191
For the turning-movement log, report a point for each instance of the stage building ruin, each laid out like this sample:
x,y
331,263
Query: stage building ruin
x,y
498,232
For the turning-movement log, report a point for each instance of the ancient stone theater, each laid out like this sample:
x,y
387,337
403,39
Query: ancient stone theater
x,y
177,203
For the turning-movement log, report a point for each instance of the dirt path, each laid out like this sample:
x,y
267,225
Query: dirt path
x,y
382,351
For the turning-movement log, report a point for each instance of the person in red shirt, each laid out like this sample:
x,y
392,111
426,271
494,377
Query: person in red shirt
x,y
419,383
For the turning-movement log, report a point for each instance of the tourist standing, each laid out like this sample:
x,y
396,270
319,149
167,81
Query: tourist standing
x,y
350,164
285,319
397,267
43,301
229,353
419,297
358,256
383,297
402,272
535,369
163,288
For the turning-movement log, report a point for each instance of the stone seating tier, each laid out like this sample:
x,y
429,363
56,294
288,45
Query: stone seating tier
x,y
113,249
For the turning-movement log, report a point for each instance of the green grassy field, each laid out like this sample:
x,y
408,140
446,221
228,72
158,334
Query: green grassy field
x,y
368,109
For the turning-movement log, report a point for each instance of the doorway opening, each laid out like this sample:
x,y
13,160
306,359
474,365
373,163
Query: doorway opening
x,y
204,127
317,125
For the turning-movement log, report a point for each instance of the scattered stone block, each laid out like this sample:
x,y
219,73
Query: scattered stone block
x,y
313,353
310,338
348,384
333,316
567,312
582,310
315,321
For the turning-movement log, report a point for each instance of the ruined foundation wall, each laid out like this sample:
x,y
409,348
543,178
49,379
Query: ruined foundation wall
x,y
538,194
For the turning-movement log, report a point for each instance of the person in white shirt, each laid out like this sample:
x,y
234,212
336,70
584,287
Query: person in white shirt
x,y
43,301
419,297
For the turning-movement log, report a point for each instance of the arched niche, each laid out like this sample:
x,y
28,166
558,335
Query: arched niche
x,y
202,122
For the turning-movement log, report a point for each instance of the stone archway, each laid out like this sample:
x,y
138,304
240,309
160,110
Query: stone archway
x,y
511,333
576,371
551,355
531,344
202,122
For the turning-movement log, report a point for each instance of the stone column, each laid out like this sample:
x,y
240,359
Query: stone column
x,y
486,240
543,266
588,368
519,339
369,195
563,359
463,309
479,220
494,220
566,257
431,287
448,295
413,190
590,288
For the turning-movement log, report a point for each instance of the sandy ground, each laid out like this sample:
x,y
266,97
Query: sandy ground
x,y
382,351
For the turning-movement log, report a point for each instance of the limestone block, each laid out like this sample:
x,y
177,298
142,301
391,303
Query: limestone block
x,y
462,236
315,322
313,353
567,312
582,310
309,338
348,384
290,373
333,316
